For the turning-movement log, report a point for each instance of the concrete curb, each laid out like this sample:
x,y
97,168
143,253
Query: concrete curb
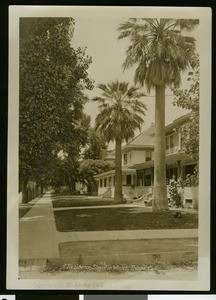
x,y
137,259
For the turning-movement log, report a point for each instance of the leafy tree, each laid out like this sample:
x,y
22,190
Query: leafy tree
x,y
91,167
67,156
95,146
52,77
64,172
120,114
160,50
189,99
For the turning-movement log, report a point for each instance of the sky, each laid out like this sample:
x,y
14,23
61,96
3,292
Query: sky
x,y
100,36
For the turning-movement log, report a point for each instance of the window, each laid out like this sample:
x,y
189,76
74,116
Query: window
x,y
148,155
167,145
170,144
125,159
128,180
145,177
147,180
101,183
105,182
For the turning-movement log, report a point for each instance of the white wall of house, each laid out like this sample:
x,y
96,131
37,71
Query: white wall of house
x,y
135,157
138,156
173,145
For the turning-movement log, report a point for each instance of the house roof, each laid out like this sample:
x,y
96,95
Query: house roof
x,y
129,147
177,122
109,155
143,141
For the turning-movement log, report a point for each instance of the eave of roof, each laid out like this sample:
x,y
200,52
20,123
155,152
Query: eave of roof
x,y
130,147
174,157
125,171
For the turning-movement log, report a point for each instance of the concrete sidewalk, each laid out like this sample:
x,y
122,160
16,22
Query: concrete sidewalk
x,y
37,231
39,239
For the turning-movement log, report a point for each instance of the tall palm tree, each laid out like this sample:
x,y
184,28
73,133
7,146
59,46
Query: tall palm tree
x,y
160,50
120,113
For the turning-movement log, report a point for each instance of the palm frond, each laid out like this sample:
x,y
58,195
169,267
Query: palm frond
x,y
120,108
158,49
187,24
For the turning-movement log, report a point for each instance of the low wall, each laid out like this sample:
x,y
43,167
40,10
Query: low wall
x,y
102,190
144,190
189,195
136,192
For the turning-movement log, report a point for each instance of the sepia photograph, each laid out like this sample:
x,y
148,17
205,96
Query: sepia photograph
x,y
114,297
109,139
185,297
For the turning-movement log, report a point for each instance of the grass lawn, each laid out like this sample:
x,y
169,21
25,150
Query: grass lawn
x,y
121,218
126,247
75,201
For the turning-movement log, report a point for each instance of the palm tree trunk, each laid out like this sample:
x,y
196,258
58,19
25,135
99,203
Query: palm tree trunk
x,y
160,190
118,172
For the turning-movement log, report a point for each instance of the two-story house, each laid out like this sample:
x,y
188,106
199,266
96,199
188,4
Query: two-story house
x,y
138,164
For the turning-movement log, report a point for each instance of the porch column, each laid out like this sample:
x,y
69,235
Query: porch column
x,y
179,176
179,136
152,176
112,181
135,179
179,169
131,178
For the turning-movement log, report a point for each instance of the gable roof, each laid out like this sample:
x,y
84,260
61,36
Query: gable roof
x,y
177,122
145,140
110,155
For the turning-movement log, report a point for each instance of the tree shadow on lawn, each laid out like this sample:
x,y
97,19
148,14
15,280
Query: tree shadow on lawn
x,y
121,218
